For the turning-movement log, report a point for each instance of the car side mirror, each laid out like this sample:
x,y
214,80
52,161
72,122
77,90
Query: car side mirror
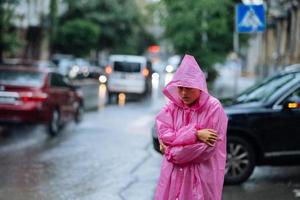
x,y
290,105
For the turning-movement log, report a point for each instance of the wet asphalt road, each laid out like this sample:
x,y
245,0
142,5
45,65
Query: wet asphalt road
x,y
109,156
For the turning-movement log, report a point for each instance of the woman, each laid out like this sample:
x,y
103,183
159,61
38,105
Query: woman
x,y
192,134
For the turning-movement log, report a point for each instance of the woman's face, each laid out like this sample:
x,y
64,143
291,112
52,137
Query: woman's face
x,y
188,95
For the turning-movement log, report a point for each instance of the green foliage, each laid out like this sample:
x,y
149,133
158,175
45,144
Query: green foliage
x,y
120,22
9,42
78,37
201,28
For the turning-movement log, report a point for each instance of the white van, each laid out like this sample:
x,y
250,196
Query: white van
x,y
128,74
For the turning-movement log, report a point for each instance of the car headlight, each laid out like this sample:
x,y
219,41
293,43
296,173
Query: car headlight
x,y
169,68
102,79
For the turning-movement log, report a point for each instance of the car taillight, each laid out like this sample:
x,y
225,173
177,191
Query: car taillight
x,y
108,69
145,72
33,97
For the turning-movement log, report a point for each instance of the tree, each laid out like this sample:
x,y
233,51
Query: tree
x,y
78,37
53,17
120,21
201,28
8,37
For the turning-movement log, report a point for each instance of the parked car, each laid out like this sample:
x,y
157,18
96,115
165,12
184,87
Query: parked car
x,y
95,72
64,64
29,95
129,74
81,69
263,126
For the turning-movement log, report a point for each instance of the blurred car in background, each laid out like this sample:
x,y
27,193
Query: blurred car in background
x,y
263,126
95,72
76,68
80,68
29,95
173,64
64,63
128,74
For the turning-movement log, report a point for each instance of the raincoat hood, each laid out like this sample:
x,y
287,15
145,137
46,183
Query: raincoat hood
x,y
188,75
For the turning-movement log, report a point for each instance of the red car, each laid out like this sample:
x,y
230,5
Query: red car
x,y
38,96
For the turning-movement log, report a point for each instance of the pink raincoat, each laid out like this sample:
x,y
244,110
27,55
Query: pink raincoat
x,y
191,170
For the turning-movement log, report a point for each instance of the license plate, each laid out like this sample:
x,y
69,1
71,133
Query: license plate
x,y
124,76
7,100
130,76
8,97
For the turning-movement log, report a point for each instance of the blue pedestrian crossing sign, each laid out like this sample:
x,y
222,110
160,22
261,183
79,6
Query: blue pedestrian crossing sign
x,y
250,18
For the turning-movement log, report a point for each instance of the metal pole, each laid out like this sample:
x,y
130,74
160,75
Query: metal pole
x,y
236,61
236,48
236,42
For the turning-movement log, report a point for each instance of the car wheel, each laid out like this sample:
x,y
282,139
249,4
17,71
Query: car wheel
x,y
110,97
149,88
79,114
155,143
240,160
53,127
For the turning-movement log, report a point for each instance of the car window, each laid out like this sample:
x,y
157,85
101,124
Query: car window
x,y
294,97
127,66
22,78
264,90
57,80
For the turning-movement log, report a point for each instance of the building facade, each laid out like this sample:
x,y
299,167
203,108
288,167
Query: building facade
x,y
33,22
279,45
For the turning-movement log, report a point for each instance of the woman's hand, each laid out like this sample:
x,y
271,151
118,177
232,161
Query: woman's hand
x,y
208,136
162,147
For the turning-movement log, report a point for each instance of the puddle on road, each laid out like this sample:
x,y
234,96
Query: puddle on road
x,y
121,99
102,96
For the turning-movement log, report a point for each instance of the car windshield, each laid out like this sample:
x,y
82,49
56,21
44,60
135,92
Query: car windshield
x,y
262,91
22,78
127,67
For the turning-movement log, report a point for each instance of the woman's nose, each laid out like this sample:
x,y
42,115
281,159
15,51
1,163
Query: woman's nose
x,y
184,91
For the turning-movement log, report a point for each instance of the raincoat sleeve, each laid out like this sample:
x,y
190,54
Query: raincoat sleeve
x,y
196,153
166,133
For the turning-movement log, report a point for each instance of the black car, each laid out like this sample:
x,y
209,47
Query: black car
x,y
263,126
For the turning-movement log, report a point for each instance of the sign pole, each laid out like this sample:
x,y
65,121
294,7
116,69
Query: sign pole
x,y
236,34
249,19
236,44
236,60
236,49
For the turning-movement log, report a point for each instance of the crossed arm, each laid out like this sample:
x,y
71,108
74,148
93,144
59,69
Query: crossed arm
x,y
189,145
